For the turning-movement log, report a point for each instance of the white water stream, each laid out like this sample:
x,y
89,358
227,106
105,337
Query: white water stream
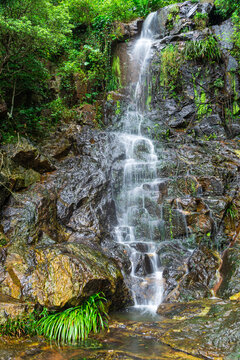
x,y
139,227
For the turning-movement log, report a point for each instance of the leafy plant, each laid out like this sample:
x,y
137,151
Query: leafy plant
x,y
74,324
203,50
171,60
227,7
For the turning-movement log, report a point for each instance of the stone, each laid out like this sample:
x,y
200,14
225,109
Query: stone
x,y
232,64
28,156
25,177
58,145
58,275
197,215
235,130
12,308
224,33
212,333
5,189
175,222
230,273
210,127
88,114
200,277
185,12
189,331
30,214
128,30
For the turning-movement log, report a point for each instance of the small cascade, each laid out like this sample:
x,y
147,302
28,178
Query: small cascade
x,y
139,215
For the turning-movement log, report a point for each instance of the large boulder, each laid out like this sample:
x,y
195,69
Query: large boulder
x,y
58,275
174,18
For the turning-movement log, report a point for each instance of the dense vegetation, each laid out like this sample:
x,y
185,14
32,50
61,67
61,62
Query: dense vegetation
x,y
70,40
47,46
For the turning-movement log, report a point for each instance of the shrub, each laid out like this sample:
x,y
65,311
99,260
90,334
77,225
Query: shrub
x,y
74,324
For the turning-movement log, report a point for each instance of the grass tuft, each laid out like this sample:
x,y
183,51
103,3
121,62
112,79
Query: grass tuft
x,y
74,324
205,50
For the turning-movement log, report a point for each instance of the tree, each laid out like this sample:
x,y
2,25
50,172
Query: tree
x,y
30,31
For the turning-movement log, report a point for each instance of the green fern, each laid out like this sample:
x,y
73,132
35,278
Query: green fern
x,y
204,50
74,324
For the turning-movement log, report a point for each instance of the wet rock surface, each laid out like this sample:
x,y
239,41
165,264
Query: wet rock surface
x,y
230,271
198,152
52,231
59,275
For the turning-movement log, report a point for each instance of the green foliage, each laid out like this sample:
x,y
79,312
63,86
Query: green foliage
x,y
232,211
203,108
116,74
201,20
73,39
35,121
171,60
227,7
172,17
30,32
205,50
58,111
74,325
219,83
23,325
89,12
3,240
144,7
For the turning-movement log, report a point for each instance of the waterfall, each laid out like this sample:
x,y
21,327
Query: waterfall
x,y
140,226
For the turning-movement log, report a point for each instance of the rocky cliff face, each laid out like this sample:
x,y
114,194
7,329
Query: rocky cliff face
x,y
57,207
192,114
51,231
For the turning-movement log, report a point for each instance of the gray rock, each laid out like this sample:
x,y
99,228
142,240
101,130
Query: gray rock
x,y
235,130
232,64
224,33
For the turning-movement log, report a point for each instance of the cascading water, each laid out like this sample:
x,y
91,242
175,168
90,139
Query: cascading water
x,y
138,227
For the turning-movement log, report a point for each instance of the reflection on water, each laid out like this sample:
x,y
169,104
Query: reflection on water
x,y
136,313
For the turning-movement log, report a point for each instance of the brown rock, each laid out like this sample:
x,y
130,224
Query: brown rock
x,y
57,275
28,156
10,307
200,277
